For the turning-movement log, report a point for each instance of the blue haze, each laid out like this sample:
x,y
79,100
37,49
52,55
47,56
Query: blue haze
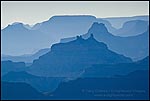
x,y
89,59
44,34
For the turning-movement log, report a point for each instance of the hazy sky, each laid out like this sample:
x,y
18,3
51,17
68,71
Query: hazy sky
x,y
33,12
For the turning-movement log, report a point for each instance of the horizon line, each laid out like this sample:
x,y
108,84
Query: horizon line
x,y
57,15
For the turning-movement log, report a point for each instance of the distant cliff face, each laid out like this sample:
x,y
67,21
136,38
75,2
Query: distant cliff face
x,y
119,21
103,88
135,47
41,84
132,28
19,40
27,58
69,59
110,70
8,66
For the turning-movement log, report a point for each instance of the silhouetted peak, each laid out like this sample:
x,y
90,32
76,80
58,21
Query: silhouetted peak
x,y
96,24
92,38
79,38
16,25
98,27
72,17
